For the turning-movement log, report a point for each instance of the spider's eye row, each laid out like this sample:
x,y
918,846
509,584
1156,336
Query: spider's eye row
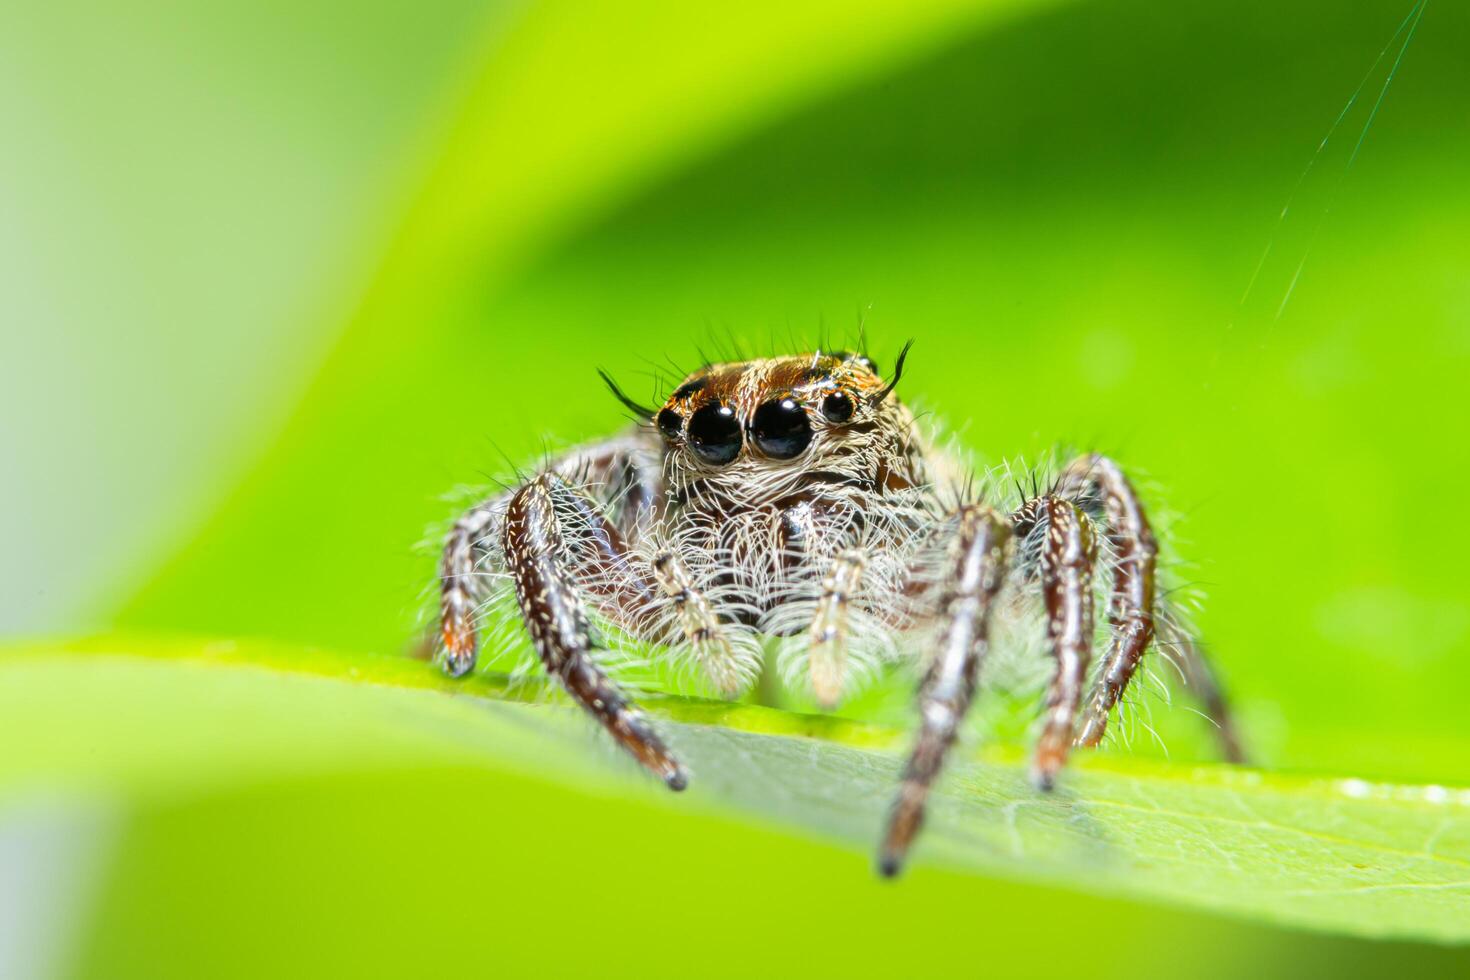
x,y
670,423
714,434
837,407
781,428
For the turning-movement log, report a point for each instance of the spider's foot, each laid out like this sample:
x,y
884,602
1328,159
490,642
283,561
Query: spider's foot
x,y
632,731
904,822
456,666
456,655
1092,733
729,674
827,678
1094,723
668,769
1051,756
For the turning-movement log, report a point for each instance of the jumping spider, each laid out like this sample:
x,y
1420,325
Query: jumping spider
x,y
792,502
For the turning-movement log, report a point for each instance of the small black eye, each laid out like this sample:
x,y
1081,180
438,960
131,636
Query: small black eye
x,y
670,423
837,407
714,433
781,428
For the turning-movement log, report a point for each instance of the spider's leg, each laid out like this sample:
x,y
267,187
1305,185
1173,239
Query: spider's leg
x,y
460,586
1067,558
827,658
699,624
949,684
1200,676
1131,603
536,554
625,478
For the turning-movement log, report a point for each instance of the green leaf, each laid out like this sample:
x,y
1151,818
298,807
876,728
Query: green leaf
x,y
145,723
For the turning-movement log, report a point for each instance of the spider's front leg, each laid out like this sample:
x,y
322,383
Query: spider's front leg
x,y
974,579
1068,555
460,588
534,538
558,543
625,476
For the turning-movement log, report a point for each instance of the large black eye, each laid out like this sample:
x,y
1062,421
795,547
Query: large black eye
x,y
837,407
781,428
714,433
670,423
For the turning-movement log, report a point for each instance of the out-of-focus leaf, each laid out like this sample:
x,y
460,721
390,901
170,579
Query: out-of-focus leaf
x,y
575,107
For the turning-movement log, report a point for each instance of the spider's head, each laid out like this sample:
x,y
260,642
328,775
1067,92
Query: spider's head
x,y
775,409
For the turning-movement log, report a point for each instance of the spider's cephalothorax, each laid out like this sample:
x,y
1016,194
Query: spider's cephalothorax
x,y
788,507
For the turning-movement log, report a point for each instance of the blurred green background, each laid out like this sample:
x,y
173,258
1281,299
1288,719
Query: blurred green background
x,y
275,280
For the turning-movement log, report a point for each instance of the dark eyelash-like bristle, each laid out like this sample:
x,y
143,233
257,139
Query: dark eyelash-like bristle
x,y
643,411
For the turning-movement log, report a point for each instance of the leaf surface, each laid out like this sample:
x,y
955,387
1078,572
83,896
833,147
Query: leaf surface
x,y
149,721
